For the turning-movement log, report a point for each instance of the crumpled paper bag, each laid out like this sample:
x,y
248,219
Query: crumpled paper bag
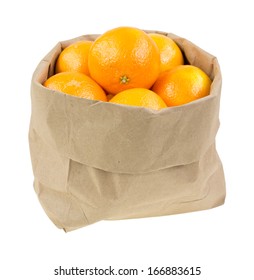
x,y
95,160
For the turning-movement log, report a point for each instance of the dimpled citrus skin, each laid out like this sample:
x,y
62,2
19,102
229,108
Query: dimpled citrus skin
x,y
74,58
170,54
124,58
182,84
139,97
76,84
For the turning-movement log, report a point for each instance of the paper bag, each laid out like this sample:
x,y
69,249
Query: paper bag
x,y
95,160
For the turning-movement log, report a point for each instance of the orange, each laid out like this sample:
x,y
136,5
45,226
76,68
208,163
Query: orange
x,y
74,58
124,58
76,84
139,97
170,54
182,84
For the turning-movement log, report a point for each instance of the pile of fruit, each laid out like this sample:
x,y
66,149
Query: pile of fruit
x,y
128,66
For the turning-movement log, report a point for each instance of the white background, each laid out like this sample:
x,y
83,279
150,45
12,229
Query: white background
x,y
219,240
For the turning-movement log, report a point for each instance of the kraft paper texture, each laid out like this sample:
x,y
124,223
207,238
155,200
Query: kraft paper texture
x,y
95,160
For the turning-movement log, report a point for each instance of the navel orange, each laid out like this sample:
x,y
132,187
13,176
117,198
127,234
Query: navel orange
x,y
124,58
76,84
170,54
139,97
74,58
182,84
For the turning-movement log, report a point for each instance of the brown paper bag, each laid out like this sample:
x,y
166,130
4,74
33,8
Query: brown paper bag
x,y
95,160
